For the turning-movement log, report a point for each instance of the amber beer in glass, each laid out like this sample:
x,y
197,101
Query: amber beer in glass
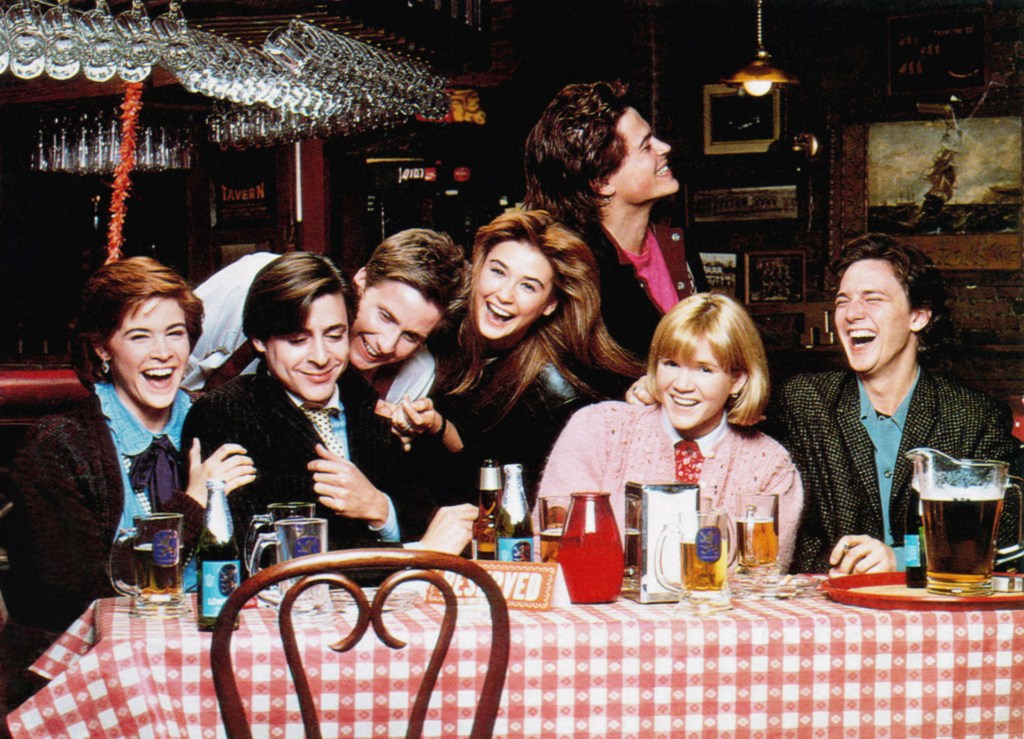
x,y
154,563
553,511
757,529
960,539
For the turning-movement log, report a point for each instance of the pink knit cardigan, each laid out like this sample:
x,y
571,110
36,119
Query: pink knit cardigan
x,y
608,444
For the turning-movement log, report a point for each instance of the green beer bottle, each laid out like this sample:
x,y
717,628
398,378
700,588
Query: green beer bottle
x,y
218,566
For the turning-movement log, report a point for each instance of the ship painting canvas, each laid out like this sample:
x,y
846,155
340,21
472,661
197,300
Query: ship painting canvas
x,y
945,176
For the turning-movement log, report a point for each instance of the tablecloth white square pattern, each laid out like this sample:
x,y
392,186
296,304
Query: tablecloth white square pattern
x,y
806,668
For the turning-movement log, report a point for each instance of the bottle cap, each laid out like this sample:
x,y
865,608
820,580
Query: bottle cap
x,y
490,475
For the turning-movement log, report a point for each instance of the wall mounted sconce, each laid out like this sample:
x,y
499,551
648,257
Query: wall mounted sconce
x,y
758,77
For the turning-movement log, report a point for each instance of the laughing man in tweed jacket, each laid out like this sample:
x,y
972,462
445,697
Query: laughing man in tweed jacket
x,y
848,431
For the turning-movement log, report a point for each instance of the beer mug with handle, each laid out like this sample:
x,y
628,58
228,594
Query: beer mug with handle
x,y
145,564
707,547
962,500
292,538
264,522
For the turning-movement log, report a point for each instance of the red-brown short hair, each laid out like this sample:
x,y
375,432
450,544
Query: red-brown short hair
x,y
115,291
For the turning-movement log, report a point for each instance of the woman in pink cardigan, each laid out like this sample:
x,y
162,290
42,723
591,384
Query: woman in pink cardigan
x,y
708,375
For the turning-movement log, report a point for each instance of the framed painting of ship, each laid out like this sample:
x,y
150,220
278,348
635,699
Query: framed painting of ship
x,y
952,187
935,177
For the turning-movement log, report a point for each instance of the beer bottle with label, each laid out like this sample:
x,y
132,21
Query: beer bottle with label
x,y
514,527
218,566
485,539
915,558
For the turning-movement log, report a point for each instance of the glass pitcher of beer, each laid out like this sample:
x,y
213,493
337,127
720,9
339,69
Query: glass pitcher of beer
x,y
961,500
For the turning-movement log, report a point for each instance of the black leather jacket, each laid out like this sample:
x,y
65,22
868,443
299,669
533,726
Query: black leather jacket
x,y
524,435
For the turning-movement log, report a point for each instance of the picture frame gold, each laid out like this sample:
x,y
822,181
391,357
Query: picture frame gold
x,y
738,123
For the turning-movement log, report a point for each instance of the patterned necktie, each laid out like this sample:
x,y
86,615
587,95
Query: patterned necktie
x,y
689,461
321,419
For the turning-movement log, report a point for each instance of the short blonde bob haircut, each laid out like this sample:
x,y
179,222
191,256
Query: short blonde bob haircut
x,y
735,344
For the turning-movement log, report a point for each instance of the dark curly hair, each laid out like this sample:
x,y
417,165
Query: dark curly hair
x,y
573,148
920,279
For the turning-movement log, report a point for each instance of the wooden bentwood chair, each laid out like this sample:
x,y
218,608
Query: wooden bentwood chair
x,y
331,567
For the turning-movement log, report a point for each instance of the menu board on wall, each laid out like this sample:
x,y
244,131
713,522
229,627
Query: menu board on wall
x,y
244,189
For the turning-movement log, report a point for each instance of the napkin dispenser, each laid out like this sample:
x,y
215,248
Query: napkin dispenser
x,y
650,507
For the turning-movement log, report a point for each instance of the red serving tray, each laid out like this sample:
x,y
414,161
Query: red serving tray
x,y
889,591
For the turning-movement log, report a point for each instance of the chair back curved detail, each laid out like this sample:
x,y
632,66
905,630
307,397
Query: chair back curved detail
x,y
333,567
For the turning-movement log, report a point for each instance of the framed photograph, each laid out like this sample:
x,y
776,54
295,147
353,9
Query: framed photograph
x,y
774,277
737,123
721,272
776,202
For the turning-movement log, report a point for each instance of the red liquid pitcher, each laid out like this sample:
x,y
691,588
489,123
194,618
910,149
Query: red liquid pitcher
x,y
590,554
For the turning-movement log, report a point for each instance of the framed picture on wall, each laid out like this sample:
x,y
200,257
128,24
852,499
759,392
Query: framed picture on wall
x,y
774,277
737,123
721,271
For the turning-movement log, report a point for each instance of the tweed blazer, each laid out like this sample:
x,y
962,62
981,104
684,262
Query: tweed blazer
x,y
256,412
817,418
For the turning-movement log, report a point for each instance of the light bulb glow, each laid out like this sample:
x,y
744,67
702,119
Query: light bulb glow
x,y
757,88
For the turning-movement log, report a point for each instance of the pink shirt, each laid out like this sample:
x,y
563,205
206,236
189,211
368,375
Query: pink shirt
x,y
608,444
651,268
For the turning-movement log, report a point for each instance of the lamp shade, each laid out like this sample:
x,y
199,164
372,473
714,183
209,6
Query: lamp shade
x,y
758,77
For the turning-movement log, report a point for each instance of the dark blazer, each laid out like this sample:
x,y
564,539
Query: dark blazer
x,y
629,312
817,418
256,412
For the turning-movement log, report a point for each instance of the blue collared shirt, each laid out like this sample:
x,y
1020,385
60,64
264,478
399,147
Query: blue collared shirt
x,y
885,433
132,438
390,531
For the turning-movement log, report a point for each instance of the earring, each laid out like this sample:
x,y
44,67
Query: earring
x,y
734,396
105,367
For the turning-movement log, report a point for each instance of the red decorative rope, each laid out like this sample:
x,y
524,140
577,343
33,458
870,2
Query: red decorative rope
x,y
122,175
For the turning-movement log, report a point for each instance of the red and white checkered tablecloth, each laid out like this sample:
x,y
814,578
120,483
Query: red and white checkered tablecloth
x,y
802,668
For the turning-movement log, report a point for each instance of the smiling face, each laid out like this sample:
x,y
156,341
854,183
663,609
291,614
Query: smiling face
x,y
694,392
309,362
147,355
392,321
644,175
876,325
514,288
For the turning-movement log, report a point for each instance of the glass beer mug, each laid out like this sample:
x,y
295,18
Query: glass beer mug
x,y
706,545
292,538
264,522
145,564
961,501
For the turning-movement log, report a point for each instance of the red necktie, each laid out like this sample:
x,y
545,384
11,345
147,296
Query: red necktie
x,y
689,461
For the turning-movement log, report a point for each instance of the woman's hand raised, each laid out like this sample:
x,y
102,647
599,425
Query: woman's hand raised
x,y
228,463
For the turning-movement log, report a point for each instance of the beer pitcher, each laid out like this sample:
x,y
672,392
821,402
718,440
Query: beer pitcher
x,y
145,564
961,500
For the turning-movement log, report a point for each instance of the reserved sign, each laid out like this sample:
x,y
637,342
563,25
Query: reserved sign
x,y
525,585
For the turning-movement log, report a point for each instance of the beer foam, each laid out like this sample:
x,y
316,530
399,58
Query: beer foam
x,y
978,494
